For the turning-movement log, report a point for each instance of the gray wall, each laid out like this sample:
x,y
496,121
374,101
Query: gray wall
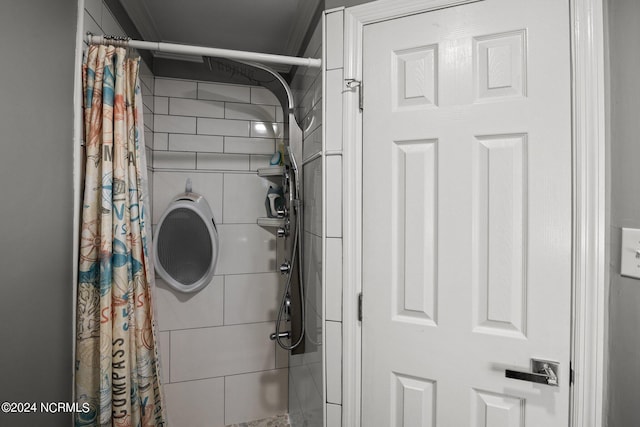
x,y
37,43
624,303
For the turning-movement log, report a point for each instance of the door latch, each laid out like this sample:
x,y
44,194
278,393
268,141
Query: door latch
x,y
353,84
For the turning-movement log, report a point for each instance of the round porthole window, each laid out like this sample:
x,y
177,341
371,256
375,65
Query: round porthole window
x,y
186,244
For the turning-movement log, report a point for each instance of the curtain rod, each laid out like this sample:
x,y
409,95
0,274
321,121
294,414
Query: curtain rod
x,y
205,51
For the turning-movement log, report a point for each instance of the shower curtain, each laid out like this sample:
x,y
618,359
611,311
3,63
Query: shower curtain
x,y
117,369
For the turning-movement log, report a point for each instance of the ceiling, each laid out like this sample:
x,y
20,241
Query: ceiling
x,y
269,26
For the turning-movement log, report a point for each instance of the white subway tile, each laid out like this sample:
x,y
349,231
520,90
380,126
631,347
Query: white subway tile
x,y
196,403
244,198
312,96
146,79
279,114
176,88
333,281
238,111
251,298
256,395
262,95
161,141
223,127
195,310
174,160
312,269
312,143
196,107
282,355
259,161
243,145
312,180
211,161
267,130
148,143
308,396
315,368
148,154
160,105
146,88
148,101
334,196
175,124
334,415
334,40
168,185
147,118
146,74
163,338
334,361
224,92
202,143
313,120
246,248
333,119
224,350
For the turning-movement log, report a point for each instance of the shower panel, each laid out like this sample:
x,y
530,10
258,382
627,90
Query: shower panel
x,y
290,324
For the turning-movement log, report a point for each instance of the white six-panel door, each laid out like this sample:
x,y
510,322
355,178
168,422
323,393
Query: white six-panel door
x,y
466,215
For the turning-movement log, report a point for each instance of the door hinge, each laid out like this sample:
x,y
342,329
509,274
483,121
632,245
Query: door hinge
x,y
360,306
353,84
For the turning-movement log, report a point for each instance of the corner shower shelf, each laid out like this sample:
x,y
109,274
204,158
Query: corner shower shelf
x,y
271,171
271,222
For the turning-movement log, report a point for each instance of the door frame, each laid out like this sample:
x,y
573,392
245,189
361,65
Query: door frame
x,y
589,265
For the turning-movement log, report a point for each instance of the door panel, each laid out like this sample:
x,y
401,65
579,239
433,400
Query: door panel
x,y
466,215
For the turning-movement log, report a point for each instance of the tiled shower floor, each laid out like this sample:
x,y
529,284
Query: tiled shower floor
x,y
277,421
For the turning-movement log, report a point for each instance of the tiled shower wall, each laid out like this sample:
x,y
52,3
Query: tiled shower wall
x,y
334,89
219,366
310,386
305,370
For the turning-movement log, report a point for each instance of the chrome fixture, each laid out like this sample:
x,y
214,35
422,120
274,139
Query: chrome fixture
x,y
542,372
285,267
296,255
283,213
285,334
283,231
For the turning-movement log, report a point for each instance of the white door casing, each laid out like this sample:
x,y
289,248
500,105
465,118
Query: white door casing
x,y
589,257
467,215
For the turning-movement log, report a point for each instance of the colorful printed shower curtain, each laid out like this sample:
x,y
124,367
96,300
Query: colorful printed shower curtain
x,y
117,368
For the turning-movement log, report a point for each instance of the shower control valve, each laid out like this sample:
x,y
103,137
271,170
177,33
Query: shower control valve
x,y
287,306
284,230
285,267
